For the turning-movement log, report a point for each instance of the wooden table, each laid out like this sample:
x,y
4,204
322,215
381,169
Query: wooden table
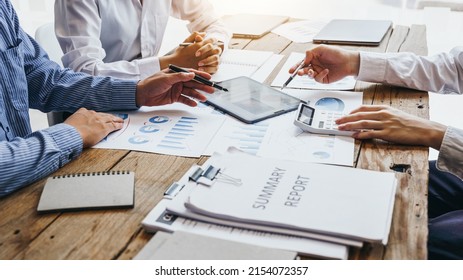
x,y
117,234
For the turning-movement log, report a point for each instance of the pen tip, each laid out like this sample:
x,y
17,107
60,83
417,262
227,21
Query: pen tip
x,y
225,89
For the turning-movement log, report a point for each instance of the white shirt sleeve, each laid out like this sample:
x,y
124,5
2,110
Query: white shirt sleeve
x,y
98,39
202,17
78,27
451,152
440,73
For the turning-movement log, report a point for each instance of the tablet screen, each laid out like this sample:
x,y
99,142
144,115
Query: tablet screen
x,y
251,101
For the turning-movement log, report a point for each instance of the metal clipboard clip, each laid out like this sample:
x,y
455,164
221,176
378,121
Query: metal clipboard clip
x,y
173,190
207,176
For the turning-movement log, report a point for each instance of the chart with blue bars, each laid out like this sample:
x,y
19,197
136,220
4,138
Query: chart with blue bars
x,y
249,137
178,135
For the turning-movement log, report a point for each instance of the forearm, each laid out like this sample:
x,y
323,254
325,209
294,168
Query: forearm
x,y
25,160
440,73
82,60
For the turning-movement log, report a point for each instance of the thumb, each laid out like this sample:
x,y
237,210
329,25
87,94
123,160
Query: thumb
x,y
180,77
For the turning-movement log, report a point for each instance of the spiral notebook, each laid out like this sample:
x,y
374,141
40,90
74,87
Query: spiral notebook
x,y
94,190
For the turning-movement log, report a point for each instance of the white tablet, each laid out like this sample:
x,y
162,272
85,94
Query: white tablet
x,y
251,101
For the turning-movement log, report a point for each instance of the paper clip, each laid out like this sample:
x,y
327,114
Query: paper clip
x,y
173,190
211,173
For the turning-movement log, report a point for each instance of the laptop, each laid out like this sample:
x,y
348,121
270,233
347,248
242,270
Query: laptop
x,y
252,26
353,32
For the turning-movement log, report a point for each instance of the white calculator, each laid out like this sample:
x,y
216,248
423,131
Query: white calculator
x,y
319,121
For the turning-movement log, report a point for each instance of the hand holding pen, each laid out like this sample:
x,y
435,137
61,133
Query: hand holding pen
x,y
197,78
299,67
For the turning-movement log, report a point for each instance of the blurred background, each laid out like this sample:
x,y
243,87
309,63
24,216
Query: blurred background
x,y
443,18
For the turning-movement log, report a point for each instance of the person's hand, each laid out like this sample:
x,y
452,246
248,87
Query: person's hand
x,y
165,88
211,49
93,126
329,64
202,54
387,123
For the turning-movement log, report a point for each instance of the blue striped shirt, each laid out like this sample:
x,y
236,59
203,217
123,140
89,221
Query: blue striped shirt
x,y
30,79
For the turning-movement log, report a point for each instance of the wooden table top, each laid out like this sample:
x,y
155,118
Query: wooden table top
x,y
117,234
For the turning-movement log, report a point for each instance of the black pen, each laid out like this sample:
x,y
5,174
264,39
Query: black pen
x,y
294,74
197,78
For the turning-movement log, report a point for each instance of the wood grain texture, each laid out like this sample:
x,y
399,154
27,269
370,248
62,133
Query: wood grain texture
x,y
20,224
410,163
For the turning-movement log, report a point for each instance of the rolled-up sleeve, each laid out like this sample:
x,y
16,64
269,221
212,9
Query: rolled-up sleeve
x,y
439,73
451,152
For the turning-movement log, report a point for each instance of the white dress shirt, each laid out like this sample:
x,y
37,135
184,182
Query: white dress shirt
x,y
122,38
441,73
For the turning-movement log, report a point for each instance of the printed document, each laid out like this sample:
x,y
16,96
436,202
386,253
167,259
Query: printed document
x,y
299,31
325,199
235,63
174,129
160,219
279,138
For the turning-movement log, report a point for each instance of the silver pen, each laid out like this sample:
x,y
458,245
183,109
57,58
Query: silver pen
x,y
294,74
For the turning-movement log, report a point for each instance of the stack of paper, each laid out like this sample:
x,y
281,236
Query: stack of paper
x,y
329,200
327,208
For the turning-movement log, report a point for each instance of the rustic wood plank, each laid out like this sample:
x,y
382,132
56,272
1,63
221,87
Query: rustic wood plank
x,y
20,223
105,234
409,226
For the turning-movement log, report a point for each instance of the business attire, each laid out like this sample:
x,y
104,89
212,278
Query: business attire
x,y
30,80
440,73
122,38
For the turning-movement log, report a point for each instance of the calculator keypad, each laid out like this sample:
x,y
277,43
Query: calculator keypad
x,y
326,119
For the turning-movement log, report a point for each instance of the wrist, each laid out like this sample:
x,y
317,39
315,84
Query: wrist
x,y
164,61
354,63
139,98
436,135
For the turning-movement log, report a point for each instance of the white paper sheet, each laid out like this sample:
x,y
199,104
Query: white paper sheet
x,y
173,129
304,82
299,31
235,63
316,198
279,138
160,219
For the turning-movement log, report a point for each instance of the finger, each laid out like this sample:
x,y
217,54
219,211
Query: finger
x,y
368,134
194,94
208,45
360,116
209,50
210,61
187,101
174,78
322,77
209,69
362,125
199,86
201,73
370,108
191,38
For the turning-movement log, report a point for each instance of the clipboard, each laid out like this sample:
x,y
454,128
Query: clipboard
x,y
250,101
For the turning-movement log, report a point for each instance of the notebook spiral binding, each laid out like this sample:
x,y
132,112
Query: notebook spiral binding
x,y
99,173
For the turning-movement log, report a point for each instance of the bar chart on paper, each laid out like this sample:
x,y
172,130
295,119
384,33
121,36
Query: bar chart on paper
x,y
246,137
180,134
173,130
